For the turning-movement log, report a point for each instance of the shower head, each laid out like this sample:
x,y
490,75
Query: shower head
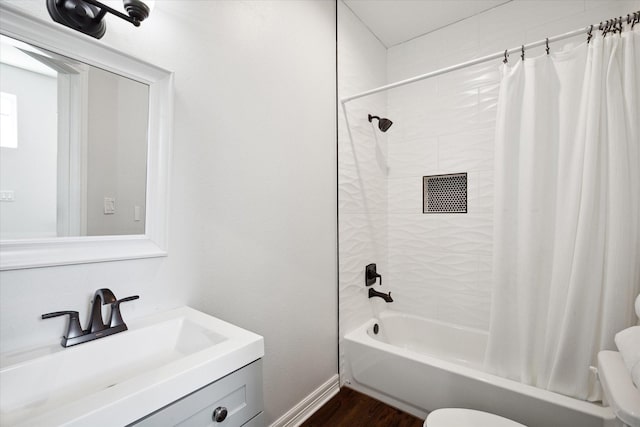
x,y
383,124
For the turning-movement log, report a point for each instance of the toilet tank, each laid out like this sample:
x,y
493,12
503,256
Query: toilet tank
x,y
620,392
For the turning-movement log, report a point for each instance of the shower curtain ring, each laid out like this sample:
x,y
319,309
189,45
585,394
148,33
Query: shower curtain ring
x,y
547,44
589,34
506,56
522,56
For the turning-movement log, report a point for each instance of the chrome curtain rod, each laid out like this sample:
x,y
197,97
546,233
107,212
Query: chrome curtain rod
x,y
504,54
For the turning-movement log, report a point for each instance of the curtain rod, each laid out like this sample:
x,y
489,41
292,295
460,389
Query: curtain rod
x,y
476,61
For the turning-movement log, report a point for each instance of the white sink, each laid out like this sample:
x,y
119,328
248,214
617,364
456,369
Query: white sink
x,y
123,377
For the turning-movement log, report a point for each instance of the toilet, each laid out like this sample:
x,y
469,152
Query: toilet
x,y
620,393
461,417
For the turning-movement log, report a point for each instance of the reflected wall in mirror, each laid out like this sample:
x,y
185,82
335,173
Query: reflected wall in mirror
x,y
73,147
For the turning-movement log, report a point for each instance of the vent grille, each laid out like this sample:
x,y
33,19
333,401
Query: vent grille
x,y
445,193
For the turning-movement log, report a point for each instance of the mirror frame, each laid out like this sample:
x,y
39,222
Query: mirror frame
x,y
32,253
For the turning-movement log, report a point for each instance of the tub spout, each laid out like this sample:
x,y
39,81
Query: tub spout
x,y
374,293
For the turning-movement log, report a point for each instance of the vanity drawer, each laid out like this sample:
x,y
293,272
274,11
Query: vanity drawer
x,y
240,393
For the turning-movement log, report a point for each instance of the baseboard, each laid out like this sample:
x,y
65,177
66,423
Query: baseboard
x,y
310,404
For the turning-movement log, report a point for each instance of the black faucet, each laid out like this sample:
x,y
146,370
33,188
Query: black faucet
x,y
373,293
101,297
96,327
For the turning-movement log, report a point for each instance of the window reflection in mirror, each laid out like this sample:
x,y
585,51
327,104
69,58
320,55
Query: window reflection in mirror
x,y
73,147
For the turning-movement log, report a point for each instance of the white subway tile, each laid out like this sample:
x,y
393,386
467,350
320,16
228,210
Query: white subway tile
x,y
362,239
467,233
484,201
468,78
405,195
466,151
417,300
412,232
472,191
412,158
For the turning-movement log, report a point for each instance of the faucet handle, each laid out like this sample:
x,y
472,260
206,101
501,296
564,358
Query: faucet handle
x,y
370,275
116,316
74,329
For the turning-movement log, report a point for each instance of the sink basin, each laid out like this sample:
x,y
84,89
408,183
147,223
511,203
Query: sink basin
x,y
123,377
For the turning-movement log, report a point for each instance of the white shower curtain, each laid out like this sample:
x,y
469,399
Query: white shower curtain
x,y
566,221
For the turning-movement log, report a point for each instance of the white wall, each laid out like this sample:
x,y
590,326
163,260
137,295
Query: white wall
x,y
117,124
253,192
361,172
439,264
30,169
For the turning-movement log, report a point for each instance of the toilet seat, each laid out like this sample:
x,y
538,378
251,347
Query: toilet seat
x,y
460,417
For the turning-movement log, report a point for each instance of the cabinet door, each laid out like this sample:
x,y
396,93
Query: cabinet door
x,y
239,394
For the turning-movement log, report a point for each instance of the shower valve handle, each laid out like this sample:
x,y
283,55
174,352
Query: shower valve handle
x,y
371,274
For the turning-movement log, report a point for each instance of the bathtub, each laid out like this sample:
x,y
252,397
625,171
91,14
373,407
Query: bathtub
x,y
419,365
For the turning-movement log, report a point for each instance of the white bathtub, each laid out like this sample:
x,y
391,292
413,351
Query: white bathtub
x,y
420,365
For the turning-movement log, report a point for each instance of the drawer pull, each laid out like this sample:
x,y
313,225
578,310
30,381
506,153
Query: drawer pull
x,y
219,414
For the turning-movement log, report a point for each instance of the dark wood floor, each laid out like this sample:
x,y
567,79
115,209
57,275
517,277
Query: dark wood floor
x,y
352,409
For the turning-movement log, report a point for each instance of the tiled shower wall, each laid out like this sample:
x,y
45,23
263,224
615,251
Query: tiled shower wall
x,y
439,265
362,153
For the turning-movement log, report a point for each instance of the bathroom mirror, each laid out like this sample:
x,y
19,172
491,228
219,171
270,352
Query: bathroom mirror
x,y
84,148
73,149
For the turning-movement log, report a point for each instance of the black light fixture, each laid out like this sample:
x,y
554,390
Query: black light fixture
x,y
87,16
383,124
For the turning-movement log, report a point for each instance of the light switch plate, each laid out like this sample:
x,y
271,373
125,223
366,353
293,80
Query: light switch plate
x,y
6,196
109,205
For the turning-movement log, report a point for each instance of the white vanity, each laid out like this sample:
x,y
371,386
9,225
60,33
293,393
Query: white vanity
x,y
235,400
181,367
